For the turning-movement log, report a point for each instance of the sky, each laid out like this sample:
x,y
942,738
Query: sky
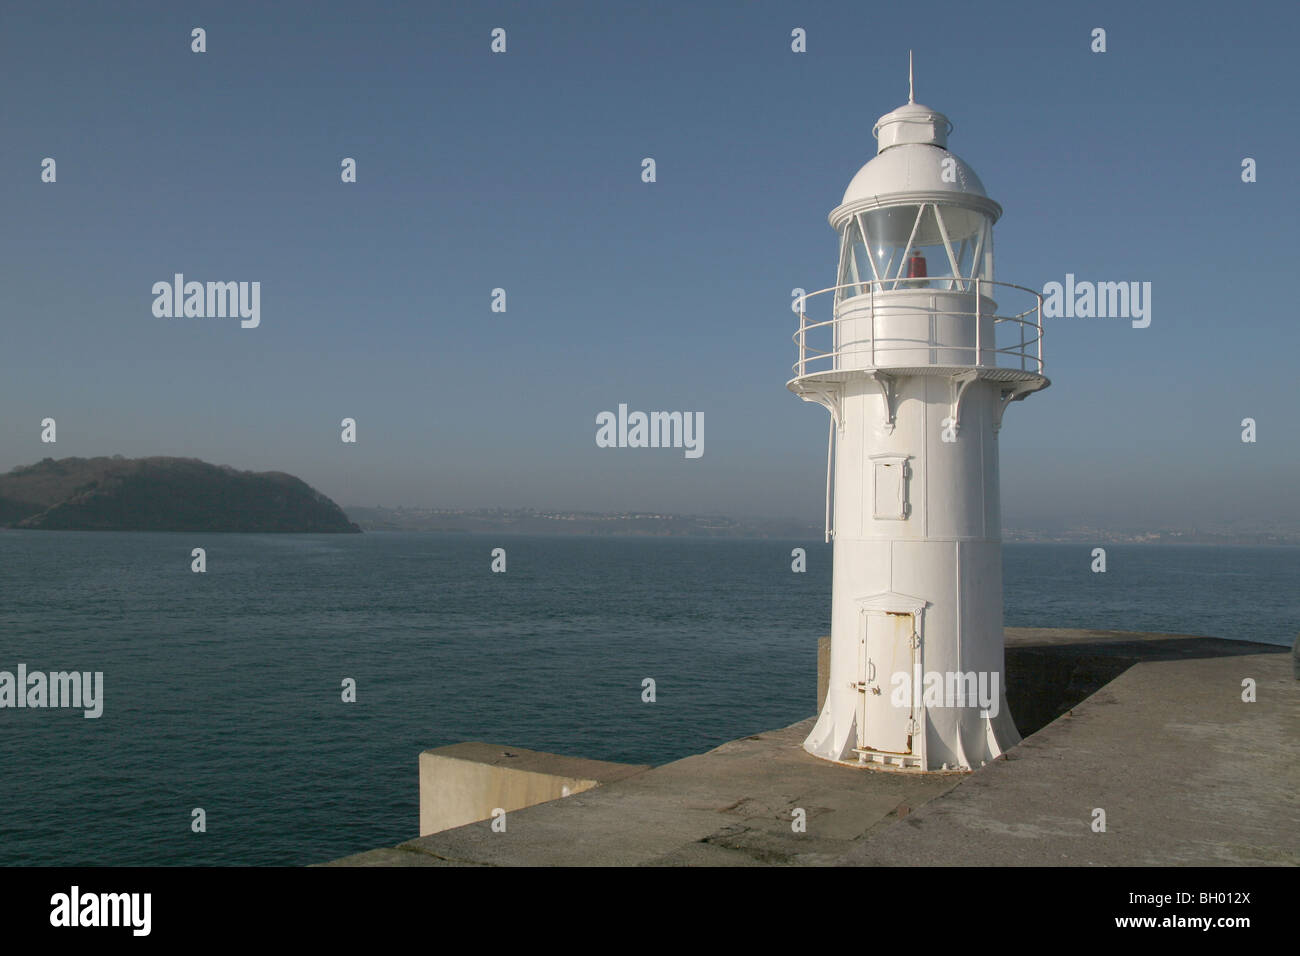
x,y
523,171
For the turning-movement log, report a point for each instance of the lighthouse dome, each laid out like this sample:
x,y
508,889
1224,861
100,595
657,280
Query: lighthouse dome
x,y
911,168
913,161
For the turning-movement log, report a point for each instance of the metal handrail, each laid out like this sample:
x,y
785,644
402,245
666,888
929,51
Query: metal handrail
x,y
1022,351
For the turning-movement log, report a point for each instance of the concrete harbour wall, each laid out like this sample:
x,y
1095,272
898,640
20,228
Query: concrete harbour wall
x,y
464,783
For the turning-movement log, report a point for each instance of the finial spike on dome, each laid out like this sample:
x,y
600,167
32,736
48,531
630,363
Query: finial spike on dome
x,y
911,98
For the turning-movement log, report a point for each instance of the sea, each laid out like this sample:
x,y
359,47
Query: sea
x,y
224,691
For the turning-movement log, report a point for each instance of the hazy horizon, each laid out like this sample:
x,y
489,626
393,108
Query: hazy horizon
x,y
522,171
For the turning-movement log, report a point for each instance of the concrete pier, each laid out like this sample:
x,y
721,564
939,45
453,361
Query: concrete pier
x,y
1150,728
465,783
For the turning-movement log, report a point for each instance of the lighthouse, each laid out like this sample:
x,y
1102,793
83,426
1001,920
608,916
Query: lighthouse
x,y
916,352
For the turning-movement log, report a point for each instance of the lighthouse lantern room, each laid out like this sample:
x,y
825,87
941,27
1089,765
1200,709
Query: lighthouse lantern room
x,y
917,357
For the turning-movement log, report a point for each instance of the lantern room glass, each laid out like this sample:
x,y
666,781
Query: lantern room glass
x,y
915,246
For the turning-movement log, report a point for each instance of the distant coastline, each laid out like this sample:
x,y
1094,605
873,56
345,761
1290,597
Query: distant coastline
x,y
162,494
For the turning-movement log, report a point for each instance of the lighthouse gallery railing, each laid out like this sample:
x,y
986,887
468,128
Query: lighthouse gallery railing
x,y
1027,354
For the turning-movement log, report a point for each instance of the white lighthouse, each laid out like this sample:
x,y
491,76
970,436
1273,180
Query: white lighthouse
x,y
916,352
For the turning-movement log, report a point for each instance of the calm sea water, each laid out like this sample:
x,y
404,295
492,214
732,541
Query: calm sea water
x,y
223,689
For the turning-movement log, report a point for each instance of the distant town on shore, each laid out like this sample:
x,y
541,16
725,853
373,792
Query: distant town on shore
x,y
665,524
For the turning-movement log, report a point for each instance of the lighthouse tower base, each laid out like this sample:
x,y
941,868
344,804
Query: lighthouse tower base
x,y
977,738
916,660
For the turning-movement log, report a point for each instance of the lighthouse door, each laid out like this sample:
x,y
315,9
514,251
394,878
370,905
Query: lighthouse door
x,y
885,660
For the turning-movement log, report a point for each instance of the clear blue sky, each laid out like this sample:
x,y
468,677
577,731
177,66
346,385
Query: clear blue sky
x,y
523,171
